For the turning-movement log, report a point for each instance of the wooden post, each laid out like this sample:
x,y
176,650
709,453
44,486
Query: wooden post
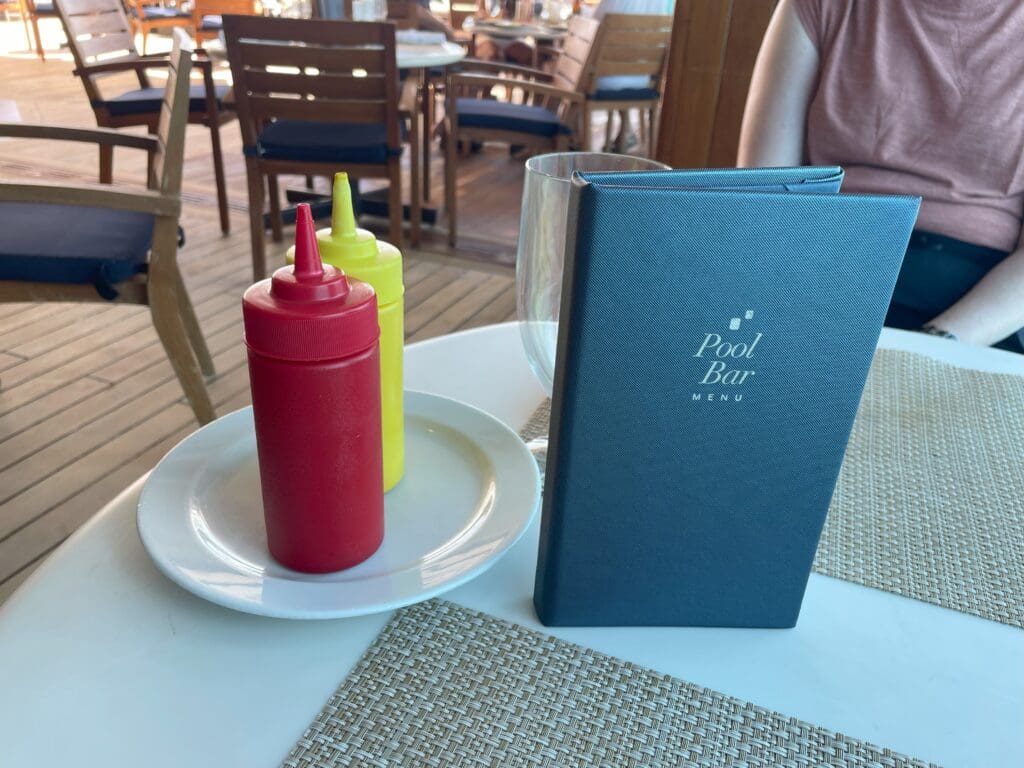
x,y
711,59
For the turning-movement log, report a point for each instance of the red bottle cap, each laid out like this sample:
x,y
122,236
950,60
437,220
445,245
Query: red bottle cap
x,y
310,311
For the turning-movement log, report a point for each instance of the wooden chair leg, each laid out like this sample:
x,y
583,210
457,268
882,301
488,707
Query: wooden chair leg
x,y
145,39
191,323
652,145
164,307
254,179
395,210
106,164
428,95
415,164
167,298
643,126
274,193
39,41
218,174
28,32
450,159
608,131
585,128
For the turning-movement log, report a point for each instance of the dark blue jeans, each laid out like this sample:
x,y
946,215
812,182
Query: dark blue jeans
x,y
938,270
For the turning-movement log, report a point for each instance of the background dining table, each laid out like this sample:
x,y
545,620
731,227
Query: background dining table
x,y
104,662
407,55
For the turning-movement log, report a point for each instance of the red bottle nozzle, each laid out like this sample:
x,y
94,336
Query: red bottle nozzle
x,y
308,280
308,266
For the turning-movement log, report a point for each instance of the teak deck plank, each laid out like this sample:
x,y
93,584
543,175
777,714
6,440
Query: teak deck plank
x,y
88,400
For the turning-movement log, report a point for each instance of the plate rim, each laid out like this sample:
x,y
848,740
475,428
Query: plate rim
x,y
218,597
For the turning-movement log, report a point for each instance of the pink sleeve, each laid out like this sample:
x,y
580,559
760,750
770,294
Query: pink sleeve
x,y
821,18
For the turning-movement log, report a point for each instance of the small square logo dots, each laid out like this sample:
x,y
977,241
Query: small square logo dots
x,y
734,324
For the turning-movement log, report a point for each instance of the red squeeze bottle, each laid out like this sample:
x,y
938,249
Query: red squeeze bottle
x,y
314,370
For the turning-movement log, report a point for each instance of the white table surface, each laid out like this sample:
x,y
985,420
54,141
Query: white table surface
x,y
104,662
424,56
406,56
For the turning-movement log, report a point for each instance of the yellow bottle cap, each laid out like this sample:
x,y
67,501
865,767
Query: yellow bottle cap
x,y
357,252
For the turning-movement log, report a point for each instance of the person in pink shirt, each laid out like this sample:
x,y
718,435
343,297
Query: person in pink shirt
x,y
922,97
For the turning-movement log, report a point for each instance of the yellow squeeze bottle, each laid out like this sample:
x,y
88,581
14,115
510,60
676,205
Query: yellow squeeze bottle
x,y
360,255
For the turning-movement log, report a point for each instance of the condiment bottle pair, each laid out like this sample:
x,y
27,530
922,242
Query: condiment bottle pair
x,y
314,370
361,256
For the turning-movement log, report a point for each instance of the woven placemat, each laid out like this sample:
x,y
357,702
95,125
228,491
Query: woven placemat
x,y
447,686
930,500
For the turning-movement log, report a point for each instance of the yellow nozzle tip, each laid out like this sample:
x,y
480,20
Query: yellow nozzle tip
x,y
343,220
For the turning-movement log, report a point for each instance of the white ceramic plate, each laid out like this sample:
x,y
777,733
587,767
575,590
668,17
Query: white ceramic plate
x,y
470,489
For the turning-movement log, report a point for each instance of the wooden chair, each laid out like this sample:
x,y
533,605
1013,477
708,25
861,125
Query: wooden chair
x,y
97,243
540,111
208,15
102,43
315,97
148,15
624,70
31,11
458,12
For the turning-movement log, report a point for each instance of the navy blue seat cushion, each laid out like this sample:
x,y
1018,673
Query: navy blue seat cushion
x,y
627,94
73,244
434,73
144,101
313,142
502,116
46,9
211,23
159,12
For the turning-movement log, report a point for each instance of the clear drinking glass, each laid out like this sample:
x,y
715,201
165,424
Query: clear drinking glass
x,y
541,252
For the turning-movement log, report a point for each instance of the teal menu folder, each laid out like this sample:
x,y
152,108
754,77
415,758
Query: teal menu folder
x,y
715,335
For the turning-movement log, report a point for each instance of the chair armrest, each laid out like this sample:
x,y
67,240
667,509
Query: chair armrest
x,y
95,196
140,64
102,136
538,89
497,68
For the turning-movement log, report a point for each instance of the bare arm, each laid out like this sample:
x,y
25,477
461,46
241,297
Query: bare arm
x,y
992,309
427,21
780,90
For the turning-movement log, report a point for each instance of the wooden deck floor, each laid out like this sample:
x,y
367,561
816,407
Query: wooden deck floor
x,y
88,401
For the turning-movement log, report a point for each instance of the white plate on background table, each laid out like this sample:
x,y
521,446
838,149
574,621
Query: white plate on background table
x,y
471,487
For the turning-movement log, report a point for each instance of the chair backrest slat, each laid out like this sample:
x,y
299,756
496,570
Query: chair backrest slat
x,y
570,66
170,134
102,23
96,30
81,7
95,47
328,85
315,70
266,108
350,58
629,44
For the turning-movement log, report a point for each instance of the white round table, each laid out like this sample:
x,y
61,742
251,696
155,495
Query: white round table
x,y
407,56
104,662
411,56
